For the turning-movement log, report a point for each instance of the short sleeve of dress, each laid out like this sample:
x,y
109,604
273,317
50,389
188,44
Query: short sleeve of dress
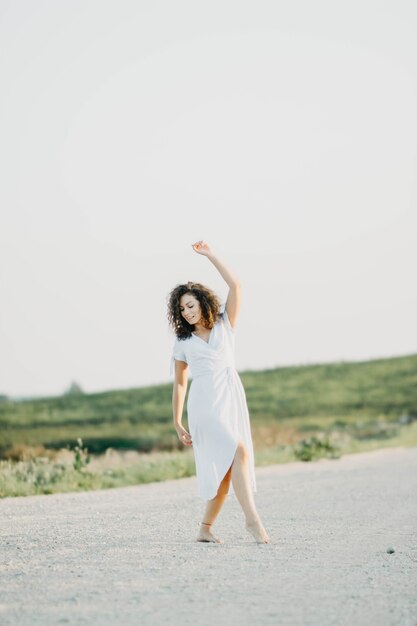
x,y
226,320
178,353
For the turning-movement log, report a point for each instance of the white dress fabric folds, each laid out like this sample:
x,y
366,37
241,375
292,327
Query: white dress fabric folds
x,y
218,415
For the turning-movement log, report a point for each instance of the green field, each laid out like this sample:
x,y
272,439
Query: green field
x,y
301,412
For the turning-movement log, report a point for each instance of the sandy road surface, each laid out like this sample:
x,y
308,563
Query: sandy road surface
x,y
128,556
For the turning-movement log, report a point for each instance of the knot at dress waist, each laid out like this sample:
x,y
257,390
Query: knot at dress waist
x,y
228,370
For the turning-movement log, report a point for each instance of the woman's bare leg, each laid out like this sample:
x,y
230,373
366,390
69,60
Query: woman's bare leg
x,y
213,508
244,494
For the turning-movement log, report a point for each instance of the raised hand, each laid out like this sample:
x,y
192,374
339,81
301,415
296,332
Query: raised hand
x,y
202,247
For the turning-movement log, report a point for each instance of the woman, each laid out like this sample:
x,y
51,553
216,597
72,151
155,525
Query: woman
x,y
218,416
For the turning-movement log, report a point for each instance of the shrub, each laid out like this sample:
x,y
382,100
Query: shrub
x,y
315,447
81,456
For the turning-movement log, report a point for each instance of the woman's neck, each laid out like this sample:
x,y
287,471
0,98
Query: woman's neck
x,y
200,329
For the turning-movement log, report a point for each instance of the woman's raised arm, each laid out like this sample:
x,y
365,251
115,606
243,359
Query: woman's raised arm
x,y
234,296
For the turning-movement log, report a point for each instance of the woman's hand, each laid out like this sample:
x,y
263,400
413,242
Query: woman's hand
x,y
202,247
184,436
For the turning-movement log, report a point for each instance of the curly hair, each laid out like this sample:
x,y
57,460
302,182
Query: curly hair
x,y
209,304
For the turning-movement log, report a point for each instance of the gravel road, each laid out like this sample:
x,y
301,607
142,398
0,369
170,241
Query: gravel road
x,y
128,556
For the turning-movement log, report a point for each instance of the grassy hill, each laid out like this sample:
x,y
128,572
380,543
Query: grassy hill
x,y
283,403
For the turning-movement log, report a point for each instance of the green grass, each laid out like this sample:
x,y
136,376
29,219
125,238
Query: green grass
x,y
297,413
43,475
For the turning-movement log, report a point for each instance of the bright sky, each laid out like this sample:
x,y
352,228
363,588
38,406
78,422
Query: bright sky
x,y
284,134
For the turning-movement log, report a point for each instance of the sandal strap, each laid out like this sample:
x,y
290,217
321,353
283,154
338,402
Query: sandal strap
x,y
205,523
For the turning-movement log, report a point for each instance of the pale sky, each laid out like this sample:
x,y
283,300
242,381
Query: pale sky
x,y
283,133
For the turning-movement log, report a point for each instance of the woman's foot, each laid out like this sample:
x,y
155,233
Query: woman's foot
x,y
206,535
257,531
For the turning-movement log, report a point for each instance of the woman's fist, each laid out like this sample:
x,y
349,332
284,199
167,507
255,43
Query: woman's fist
x,y
202,247
184,436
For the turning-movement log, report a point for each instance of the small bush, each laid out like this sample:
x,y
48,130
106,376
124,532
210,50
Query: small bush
x,y
81,456
314,448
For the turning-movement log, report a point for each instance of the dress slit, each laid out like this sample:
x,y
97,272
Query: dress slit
x,y
229,465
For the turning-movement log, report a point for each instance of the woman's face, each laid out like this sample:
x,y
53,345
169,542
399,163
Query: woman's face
x,y
190,308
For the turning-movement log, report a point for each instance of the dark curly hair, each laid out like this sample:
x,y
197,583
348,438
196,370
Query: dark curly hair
x,y
209,303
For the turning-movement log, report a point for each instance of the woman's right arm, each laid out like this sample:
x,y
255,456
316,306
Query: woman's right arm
x,y
178,397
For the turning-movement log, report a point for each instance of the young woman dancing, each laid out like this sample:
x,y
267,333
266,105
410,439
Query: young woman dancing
x,y
218,416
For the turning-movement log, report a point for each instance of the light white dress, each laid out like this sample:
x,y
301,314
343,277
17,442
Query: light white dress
x,y
218,415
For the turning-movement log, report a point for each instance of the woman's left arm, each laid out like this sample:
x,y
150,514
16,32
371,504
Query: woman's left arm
x,y
233,297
